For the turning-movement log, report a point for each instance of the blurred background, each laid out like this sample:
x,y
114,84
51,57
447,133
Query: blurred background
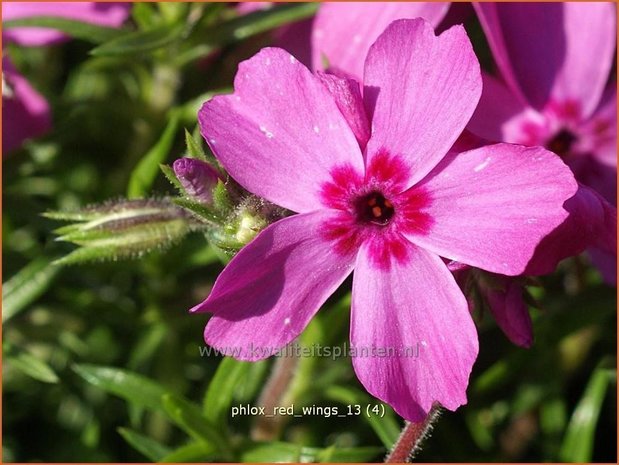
x,y
101,361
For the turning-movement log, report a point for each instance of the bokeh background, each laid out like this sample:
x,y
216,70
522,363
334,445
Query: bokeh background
x,y
101,361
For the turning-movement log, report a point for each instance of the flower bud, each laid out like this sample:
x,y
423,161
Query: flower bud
x,y
123,229
249,225
197,177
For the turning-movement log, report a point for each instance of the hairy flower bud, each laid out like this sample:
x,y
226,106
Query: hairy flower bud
x,y
127,228
197,177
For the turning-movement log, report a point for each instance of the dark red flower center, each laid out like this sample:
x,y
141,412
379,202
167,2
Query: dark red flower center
x,y
561,143
374,208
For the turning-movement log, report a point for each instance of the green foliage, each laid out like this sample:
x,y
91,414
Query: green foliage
x,y
77,29
103,362
26,286
580,435
144,174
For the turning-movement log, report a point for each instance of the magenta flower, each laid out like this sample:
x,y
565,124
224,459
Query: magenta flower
x,y
555,60
25,113
375,188
103,14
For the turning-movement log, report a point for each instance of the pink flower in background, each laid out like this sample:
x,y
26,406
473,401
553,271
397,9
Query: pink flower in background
x,y
376,189
25,111
103,14
344,31
555,60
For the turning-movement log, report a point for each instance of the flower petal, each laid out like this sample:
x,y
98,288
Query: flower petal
x,y
420,91
418,319
347,96
344,32
280,133
507,305
25,112
491,206
592,221
271,289
598,136
110,14
552,51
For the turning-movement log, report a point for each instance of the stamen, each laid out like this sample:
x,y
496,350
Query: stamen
x,y
374,208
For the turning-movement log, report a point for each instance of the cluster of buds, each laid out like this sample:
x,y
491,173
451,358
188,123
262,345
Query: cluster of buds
x,y
207,202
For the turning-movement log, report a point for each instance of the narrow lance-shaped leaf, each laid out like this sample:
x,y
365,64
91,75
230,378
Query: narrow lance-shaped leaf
x,y
578,442
151,449
78,29
147,169
188,417
220,393
32,366
26,286
141,41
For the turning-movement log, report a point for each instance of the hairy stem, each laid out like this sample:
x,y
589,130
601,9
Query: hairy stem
x,y
411,437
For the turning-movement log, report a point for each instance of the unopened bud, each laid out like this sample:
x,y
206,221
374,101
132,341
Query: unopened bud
x,y
249,226
128,228
197,177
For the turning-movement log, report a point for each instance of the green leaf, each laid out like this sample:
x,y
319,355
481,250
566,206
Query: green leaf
x,y
189,418
168,172
288,452
148,447
230,373
349,454
147,169
386,428
33,367
193,452
194,148
578,442
199,210
141,41
221,198
77,29
132,387
273,452
257,22
26,286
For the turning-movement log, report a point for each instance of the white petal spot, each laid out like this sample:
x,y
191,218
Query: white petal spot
x,y
316,129
482,165
212,141
287,321
424,343
293,60
266,132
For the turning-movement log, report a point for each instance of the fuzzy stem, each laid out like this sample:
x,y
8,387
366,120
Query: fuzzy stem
x,y
267,428
411,437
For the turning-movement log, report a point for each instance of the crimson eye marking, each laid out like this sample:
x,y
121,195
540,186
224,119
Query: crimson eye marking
x,y
374,208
